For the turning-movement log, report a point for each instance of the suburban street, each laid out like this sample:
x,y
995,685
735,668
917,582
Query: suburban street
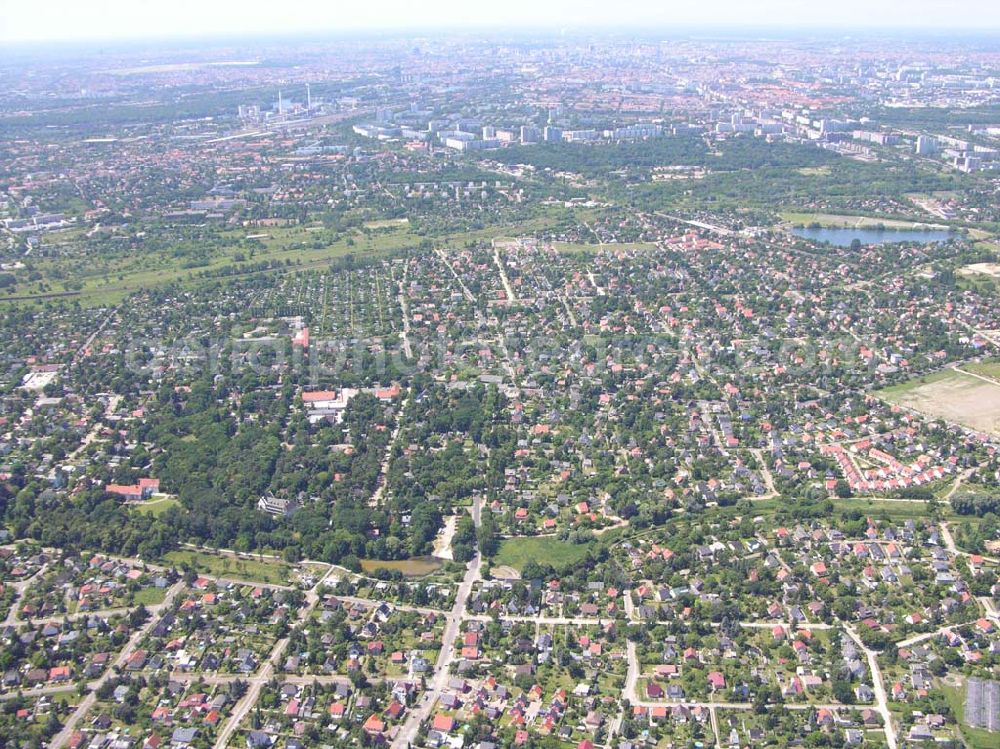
x,y
417,715
264,673
88,701
878,685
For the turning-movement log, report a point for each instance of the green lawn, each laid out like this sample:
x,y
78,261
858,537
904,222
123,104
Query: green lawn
x,y
517,552
150,596
156,507
262,570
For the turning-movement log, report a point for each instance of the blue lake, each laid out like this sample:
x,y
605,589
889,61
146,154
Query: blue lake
x,y
844,237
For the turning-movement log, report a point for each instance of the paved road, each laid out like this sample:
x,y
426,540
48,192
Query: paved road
x,y
583,621
593,282
630,607
80,352
556,620
928,635
218,679
38,692
82,615
511,296
632,676
765,472
697,224
715,727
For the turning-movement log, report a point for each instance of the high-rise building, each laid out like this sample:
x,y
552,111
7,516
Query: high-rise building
x,y
529,134
925,145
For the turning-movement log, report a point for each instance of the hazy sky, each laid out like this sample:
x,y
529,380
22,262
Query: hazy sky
x,y
30,20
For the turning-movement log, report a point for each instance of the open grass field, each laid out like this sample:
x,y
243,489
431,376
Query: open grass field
x,y
951,395
416,567
903,509
983,234
989,369
983,278
833,221
387,223
220,565
897,509
110,283
102,281
517,552
897,391
814,171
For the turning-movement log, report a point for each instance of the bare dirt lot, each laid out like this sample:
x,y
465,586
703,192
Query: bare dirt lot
x,y
504,572
989,269
954,396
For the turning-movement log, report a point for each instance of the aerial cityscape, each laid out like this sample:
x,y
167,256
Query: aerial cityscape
x,y
479,387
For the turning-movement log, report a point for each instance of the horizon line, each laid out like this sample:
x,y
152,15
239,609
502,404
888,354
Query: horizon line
x,y
634,29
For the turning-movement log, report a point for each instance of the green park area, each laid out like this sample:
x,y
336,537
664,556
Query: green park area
x,y
517,552
224,565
